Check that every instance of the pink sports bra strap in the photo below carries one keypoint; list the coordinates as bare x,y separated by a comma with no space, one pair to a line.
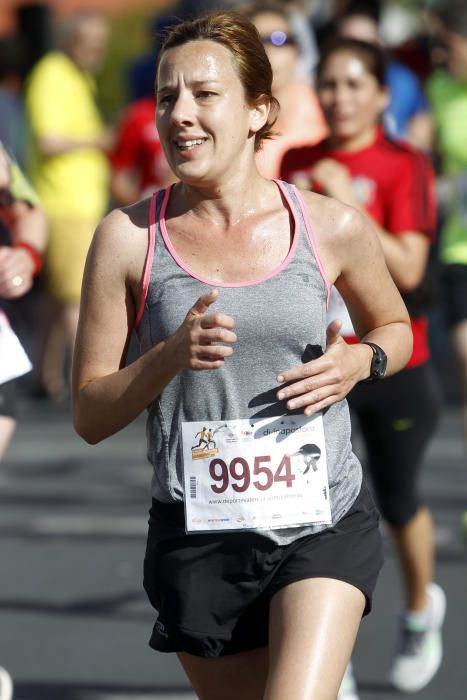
312,239
149,258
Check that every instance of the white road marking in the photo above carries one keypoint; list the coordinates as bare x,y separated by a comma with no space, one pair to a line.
88,525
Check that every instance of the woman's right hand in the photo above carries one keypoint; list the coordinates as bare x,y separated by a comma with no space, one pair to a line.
203,340
334,179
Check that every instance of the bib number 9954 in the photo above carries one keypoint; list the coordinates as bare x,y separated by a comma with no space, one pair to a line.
239,472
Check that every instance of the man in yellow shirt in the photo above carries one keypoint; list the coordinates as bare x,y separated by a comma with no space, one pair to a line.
69,171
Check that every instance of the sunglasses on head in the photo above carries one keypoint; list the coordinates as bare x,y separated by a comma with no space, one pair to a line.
278,39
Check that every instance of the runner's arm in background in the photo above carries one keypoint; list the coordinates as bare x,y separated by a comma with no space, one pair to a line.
50,145
26,224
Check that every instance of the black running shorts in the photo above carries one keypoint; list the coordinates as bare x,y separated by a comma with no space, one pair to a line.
212,591
397,418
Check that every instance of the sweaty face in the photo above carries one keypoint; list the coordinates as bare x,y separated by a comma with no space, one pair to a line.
204,122
350,96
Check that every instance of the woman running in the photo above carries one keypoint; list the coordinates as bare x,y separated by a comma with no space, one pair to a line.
393,183
254,563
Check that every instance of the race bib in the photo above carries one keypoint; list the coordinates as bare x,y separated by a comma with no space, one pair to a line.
13,360
255,474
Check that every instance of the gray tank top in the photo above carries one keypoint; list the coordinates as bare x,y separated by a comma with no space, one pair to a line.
280,321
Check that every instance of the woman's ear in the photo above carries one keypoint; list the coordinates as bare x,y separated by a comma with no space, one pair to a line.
259,115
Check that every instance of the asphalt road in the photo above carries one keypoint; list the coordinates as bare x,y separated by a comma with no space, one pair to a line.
74,619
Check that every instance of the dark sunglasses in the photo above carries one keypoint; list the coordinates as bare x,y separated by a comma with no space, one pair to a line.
278,39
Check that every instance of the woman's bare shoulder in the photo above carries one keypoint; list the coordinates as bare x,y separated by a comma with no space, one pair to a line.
120,243
341,231
126,222
122,236
333,221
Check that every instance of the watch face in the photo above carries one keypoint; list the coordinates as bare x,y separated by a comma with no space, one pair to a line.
379,364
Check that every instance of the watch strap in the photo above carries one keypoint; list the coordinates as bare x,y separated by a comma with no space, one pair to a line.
378,363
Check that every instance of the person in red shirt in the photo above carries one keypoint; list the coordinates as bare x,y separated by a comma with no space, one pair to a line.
394,184
138,162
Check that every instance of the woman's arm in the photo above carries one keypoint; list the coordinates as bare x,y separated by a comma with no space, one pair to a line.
406,256
375,305
17,266
27,230
106,395
51,145
28,224
354,262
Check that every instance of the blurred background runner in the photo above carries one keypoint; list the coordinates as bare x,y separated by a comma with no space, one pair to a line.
69,171
22,242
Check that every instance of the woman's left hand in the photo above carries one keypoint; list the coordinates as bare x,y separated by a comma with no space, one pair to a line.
334,179
328,379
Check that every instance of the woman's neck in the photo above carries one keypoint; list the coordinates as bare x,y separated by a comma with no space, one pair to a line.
354,143
224,205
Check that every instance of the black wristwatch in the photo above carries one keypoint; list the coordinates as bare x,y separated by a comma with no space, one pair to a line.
378,363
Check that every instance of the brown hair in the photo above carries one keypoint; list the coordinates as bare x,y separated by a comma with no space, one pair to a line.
371,55
239,36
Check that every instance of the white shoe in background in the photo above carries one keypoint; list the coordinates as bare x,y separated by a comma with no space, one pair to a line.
6,685
420,650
